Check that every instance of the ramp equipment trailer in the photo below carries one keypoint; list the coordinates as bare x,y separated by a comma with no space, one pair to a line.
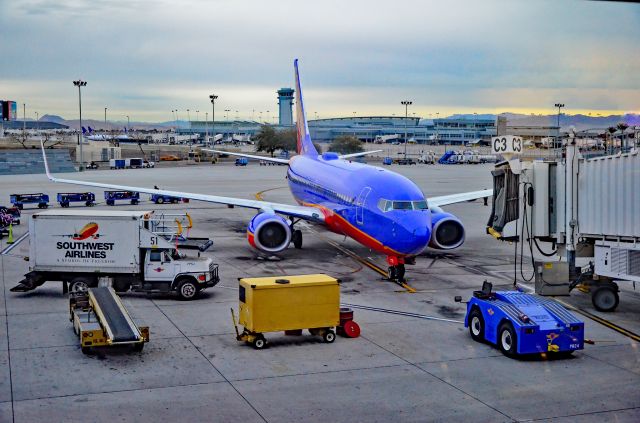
291,304
113,196
520,323
136,249
65,198
100,319
19,200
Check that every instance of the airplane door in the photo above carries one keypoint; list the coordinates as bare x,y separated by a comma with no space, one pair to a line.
360,202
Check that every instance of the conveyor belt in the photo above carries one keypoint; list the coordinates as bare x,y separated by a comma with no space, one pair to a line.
117,322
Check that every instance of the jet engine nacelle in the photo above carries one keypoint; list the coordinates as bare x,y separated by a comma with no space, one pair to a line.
268,232
447,231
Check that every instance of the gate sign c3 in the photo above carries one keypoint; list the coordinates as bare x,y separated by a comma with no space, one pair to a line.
506,144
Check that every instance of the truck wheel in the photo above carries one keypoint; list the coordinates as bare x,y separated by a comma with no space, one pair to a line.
160,200
80,284
329,336
507,340
605,298
476,325
187,289
259,343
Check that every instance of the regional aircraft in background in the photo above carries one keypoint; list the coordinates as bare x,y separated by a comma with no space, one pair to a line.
378,208
90,135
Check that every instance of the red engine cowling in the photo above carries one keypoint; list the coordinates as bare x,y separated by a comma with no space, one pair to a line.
270,233
447,231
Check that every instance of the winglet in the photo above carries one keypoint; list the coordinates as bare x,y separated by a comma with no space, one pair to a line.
46,165
305,146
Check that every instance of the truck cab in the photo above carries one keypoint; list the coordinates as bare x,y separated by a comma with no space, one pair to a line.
168,270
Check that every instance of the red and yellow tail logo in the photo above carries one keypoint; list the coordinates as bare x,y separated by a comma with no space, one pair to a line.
89,230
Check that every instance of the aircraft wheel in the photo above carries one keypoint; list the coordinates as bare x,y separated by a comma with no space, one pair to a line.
476,325
296,238
391,273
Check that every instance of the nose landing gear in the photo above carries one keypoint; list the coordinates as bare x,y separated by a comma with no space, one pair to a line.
396,269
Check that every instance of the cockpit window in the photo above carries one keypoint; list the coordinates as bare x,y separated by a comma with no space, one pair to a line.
402,205
388,205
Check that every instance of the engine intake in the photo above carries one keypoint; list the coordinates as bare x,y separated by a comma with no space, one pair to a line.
447,231
269,233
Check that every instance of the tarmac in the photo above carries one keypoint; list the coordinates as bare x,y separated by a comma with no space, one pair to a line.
399,369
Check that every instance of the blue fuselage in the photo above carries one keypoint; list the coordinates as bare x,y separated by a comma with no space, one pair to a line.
358,201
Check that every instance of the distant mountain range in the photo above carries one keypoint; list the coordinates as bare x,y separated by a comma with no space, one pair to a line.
580,122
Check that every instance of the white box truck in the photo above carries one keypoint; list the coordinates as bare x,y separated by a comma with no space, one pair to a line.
132,248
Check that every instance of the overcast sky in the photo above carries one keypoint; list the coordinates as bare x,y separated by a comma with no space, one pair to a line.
144,58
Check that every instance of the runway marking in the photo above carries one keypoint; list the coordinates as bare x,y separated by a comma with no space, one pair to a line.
260,196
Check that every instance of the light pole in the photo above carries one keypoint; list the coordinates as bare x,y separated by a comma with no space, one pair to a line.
206,127
24,121
559,106
226,114
80,83
188,116
213,98
105,118
197,115
128,124
37,122
406,104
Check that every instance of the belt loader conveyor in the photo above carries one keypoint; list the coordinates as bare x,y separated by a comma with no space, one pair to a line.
100,319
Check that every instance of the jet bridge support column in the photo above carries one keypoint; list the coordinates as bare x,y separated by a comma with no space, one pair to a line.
571,185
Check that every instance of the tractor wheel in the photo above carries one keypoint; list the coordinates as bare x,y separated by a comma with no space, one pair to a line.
507,340
160,200
476,325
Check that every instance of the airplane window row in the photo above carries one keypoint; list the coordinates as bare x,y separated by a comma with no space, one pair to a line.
332,195
388,205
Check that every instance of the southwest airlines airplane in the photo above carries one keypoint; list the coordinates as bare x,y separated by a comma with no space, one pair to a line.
378,208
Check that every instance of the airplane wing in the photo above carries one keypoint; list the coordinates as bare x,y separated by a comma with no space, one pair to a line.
304,212
265,158
363,153
444,200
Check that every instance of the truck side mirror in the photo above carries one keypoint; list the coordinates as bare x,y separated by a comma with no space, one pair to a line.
457,299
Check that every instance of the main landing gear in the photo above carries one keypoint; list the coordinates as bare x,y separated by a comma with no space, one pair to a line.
296,236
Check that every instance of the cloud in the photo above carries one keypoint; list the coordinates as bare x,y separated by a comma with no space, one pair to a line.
149,56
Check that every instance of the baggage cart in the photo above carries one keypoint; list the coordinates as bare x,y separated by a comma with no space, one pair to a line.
19,200
65,198
112,196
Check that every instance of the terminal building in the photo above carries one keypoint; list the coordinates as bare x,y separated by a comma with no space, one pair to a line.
446,131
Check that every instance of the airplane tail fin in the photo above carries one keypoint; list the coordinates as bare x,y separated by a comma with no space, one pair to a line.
84,130
305,146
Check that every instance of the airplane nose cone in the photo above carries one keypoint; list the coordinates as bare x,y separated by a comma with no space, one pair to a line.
414,238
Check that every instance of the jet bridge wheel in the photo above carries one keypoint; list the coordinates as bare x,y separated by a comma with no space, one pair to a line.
605,298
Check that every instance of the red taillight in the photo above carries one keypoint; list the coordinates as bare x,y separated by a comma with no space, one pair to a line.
202,278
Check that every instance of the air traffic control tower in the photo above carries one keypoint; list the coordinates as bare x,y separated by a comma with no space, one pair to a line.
285,106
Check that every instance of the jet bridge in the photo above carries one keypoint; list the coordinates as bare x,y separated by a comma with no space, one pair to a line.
579,216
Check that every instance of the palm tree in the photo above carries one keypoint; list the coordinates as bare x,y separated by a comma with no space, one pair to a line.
622,126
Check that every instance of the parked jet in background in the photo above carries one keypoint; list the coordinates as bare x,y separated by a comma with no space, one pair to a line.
378,208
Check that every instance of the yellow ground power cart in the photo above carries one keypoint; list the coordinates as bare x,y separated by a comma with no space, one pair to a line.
100,319
289,304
